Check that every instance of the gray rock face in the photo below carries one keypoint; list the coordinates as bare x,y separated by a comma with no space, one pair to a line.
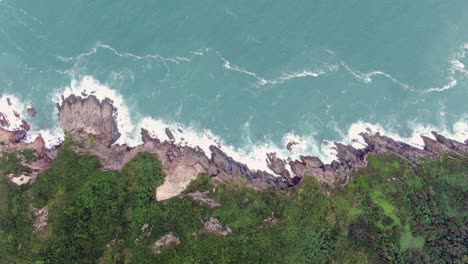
350,158
169,134
168,241
236,170
214,226
202,198
278,166
19,136
90,115
377,143
4,120
452,144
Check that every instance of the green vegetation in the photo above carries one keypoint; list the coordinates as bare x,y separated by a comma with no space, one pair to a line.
28,154
392,212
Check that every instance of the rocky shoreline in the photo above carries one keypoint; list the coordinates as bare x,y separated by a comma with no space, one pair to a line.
91,124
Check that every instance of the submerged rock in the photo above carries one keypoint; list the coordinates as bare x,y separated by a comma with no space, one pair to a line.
31,111
169,134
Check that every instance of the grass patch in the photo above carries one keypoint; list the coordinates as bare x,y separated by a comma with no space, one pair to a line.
28,154
408,241
388,209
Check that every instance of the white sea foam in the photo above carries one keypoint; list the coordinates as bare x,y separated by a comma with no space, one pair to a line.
459,132
17,106
253,154
230,66
302,145
367,77
284,77
456,68
52,137
104,46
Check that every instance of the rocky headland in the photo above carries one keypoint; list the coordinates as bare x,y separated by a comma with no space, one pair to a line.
91,124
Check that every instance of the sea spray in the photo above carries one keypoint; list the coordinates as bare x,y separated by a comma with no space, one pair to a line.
252,154
14,110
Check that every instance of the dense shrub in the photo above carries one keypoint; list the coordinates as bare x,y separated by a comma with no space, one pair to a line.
392,212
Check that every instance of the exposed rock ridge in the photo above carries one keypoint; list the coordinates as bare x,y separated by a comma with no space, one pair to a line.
350,158
91,115
182,164
39,157
91,123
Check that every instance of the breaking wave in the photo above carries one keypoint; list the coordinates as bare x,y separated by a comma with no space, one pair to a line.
252,154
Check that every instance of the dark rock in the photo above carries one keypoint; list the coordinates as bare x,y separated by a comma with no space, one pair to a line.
25,125
169,134
296,180
278,166
4,120
146,137
290,145
452,144
348,154
19,136
237,170
32,111
377,143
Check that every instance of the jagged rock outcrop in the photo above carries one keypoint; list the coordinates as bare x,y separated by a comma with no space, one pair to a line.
350,158
90,115
168,241
377,143
182,164
278,166
12,141
236,170
202,198
32,111
4,120
213,226
450,145
40,218
92,124
169,134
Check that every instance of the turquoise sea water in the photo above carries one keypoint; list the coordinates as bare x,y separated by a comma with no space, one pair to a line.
251,72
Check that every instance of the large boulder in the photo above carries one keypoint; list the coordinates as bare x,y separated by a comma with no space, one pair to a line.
90,115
